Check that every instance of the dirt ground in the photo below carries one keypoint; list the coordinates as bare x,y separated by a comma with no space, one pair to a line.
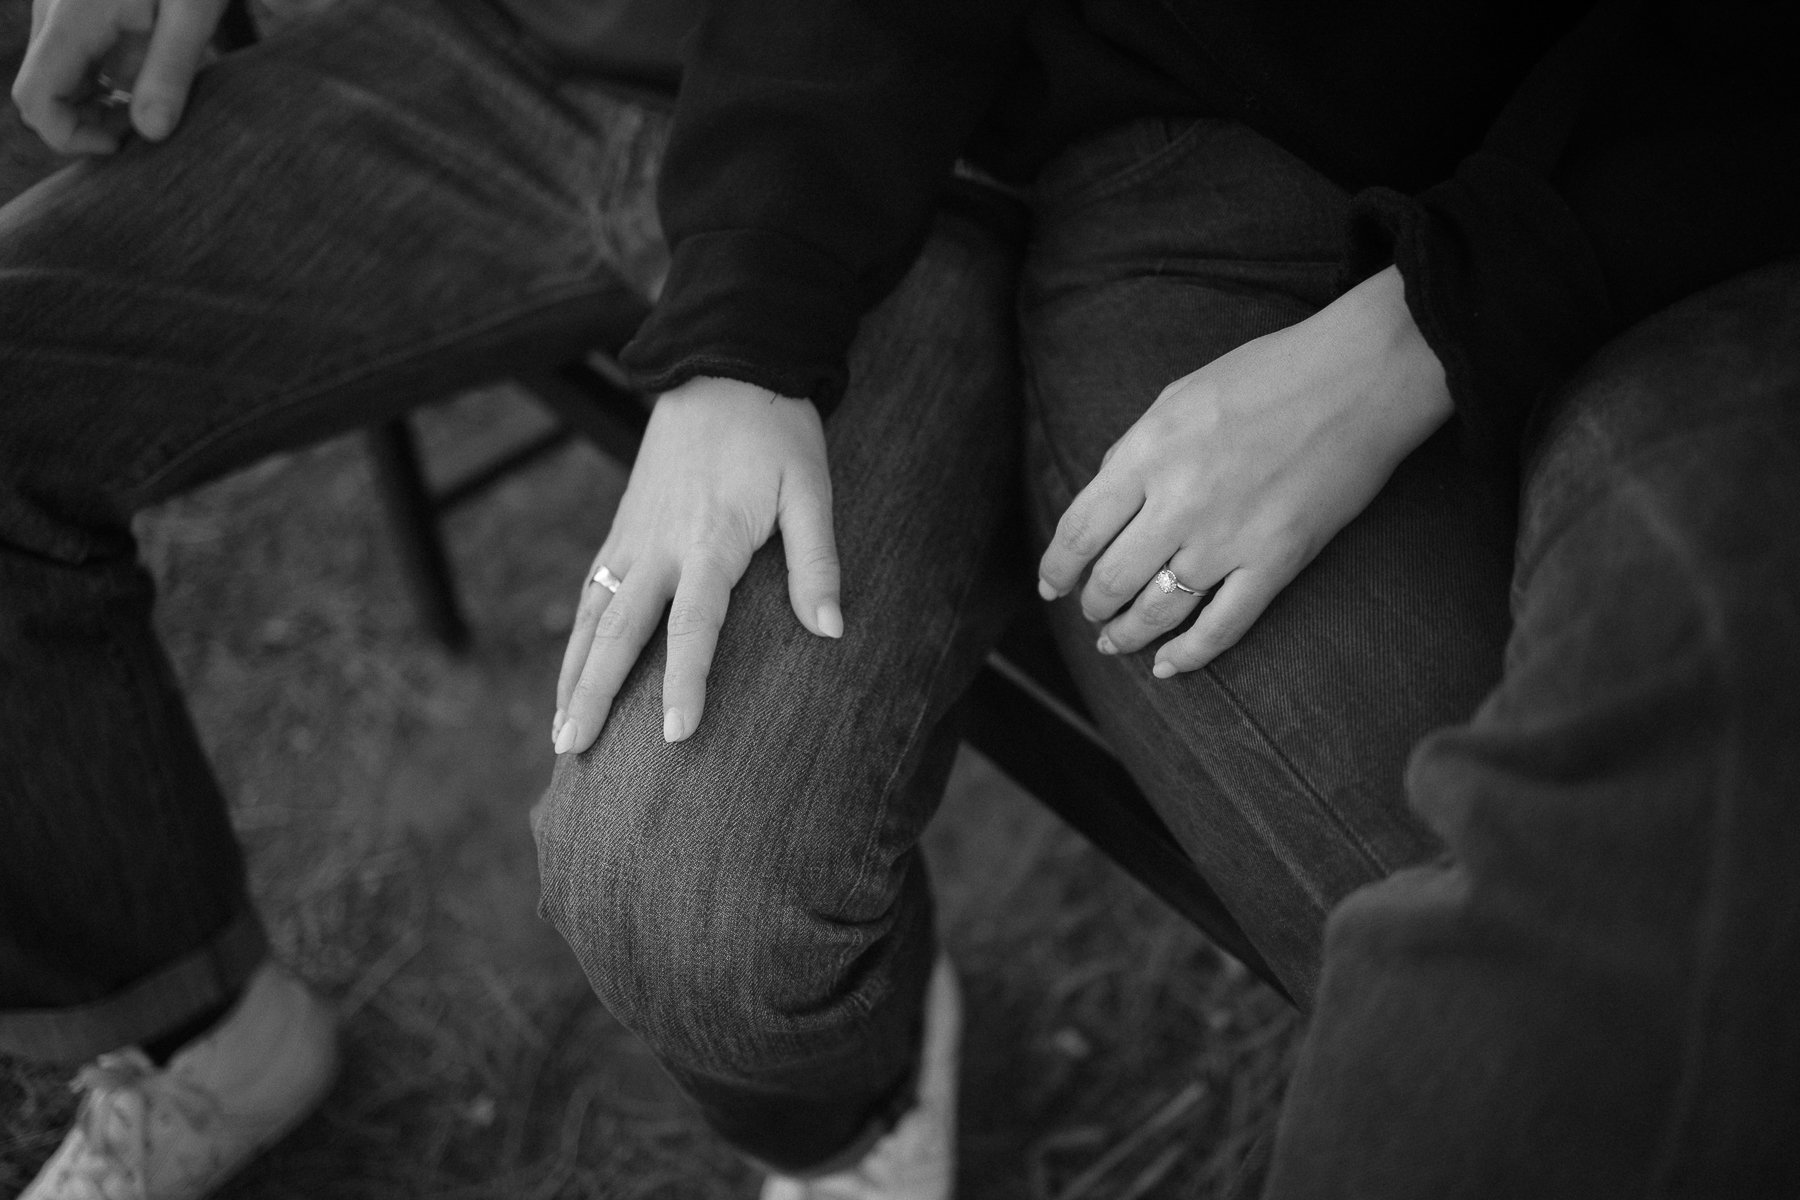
381,784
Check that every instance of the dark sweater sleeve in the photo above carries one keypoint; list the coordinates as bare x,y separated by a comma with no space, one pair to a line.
1650,154
810,142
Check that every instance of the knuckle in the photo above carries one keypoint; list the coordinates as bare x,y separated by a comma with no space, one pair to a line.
1159,610
689,618
1111,581
590,692
817,557
710,560
1075,531
614,623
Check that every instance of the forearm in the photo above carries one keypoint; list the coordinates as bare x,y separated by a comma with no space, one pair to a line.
808,149
1643,160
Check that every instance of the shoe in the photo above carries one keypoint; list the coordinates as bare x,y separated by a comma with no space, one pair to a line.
178,1132
916,1160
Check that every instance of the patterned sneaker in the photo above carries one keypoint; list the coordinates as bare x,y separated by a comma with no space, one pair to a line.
917,1159
178,1132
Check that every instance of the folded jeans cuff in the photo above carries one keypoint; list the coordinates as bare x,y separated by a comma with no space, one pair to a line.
208,976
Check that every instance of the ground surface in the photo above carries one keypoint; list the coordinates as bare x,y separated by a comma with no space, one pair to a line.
381,786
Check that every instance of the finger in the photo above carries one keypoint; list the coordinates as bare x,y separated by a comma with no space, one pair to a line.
1091,521
624,627
694,621
57,71
590,604
1241,598
811,550
1154,612
177,47
1120,573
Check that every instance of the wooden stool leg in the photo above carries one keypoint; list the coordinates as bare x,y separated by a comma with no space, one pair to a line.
413,517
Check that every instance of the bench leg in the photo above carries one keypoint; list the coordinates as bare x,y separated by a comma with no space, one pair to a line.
413,518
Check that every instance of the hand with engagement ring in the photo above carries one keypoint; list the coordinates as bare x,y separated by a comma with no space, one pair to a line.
723,465
1241,472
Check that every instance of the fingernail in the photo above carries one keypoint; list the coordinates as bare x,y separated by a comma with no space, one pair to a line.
556,723
1163,670
1105,645
565,738
155,121
673,725
1045,590
831,621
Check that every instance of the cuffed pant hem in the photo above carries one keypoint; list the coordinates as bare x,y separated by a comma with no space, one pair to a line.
203,979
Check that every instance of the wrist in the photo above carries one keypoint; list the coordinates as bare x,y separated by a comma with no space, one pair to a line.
1412,376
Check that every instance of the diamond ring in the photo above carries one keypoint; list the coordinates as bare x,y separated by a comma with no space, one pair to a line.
1168,581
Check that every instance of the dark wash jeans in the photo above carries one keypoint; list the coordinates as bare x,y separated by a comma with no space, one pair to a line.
1507,815
353,211
1504,801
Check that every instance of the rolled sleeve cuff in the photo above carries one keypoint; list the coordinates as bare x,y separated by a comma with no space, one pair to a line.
1503,284
753,306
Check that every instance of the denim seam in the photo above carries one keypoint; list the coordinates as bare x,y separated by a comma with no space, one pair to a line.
380,360
912,739
1311,790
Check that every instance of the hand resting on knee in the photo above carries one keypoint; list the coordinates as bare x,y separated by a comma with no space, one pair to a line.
722,465
1240,472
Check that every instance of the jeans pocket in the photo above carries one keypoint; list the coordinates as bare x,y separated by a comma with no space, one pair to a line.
1096,167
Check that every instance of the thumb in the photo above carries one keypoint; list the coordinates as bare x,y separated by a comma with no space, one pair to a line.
811,549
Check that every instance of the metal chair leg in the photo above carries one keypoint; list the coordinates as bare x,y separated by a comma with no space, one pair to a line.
412,515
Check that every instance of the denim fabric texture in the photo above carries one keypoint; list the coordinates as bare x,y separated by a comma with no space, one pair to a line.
327,233
1159,247
1501,784
1591,992
751,901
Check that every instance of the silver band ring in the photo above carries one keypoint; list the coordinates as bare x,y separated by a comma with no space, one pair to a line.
608,580
109,94
1168,581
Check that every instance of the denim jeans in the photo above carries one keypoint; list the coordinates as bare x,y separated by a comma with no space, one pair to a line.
1509,809
1472,785
1504,808
385,203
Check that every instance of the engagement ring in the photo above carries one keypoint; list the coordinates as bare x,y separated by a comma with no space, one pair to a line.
1168,581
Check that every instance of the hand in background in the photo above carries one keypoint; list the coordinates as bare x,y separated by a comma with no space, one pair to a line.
1240,473
722,465
150,48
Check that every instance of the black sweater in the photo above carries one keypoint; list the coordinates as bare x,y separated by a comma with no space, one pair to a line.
1541,177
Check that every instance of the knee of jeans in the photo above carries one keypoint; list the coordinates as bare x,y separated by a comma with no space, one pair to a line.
721,933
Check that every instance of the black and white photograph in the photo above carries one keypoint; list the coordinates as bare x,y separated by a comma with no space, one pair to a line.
899,600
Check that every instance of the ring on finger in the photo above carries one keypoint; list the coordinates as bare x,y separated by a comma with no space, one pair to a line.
109,94
607,580
1168,581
